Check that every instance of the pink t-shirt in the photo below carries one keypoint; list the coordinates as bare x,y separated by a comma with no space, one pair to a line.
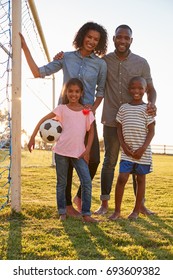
74,127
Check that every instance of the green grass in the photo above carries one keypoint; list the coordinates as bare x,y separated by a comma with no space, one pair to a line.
36,232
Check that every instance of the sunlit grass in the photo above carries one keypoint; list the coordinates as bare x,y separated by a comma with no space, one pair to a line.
36,232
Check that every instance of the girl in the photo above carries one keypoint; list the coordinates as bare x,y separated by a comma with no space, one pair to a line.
76,121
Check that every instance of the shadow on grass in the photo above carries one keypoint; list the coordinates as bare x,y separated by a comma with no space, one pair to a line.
148,238
92,243
17,222
14,242
153,234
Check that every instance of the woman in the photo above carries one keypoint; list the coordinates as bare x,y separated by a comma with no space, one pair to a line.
84,63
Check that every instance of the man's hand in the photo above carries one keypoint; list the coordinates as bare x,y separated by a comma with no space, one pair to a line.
59,56
151,109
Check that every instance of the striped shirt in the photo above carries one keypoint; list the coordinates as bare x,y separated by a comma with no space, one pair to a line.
135,120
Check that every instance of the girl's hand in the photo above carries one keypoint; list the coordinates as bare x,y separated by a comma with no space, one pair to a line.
85,156
31,144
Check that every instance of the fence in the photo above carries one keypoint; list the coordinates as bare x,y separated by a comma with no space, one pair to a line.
162,149
156,149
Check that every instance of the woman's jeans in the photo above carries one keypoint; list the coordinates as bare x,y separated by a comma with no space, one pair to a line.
81,167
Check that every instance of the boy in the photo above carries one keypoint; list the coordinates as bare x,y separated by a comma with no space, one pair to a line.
135,132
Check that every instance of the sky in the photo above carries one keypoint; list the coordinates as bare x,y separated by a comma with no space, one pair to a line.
151,22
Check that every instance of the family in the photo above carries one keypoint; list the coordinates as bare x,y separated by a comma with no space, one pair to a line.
120,79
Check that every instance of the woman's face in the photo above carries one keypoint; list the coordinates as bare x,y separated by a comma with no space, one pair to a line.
91,41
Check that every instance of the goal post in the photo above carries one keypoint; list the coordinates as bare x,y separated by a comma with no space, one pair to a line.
16,108
16,96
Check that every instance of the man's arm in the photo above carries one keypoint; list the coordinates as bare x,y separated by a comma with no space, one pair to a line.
151,95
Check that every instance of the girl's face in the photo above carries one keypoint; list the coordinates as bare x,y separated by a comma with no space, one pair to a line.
74,93
90,41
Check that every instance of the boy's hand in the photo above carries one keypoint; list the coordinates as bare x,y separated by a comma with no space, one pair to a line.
127,150
138,153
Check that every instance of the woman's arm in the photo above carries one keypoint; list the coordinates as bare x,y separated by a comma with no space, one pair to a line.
33,66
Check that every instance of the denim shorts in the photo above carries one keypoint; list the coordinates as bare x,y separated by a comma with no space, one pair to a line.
134,168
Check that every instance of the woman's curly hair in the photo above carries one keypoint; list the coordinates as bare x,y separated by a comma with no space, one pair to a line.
101,48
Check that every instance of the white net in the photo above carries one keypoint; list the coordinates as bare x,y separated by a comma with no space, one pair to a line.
35,98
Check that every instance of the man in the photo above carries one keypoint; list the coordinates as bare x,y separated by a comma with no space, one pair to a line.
122,65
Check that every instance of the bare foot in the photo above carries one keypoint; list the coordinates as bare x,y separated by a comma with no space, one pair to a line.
72,212
62,217
101,211
89,219
77,201
133,216
115,216
146,211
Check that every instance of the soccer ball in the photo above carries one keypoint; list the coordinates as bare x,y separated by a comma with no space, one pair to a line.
50,130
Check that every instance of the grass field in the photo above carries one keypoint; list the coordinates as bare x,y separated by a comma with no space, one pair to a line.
36,232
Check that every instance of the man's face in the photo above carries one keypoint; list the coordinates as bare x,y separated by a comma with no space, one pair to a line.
122,40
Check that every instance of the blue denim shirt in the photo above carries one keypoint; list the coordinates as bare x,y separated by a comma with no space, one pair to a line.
91,70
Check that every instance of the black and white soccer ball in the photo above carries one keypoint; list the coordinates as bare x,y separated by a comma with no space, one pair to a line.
50,130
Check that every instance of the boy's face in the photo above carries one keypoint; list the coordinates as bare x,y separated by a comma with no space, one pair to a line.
137,89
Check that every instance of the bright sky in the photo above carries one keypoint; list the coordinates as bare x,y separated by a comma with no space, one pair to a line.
151,22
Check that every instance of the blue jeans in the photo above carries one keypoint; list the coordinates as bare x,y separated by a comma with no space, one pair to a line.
93,165
62,165
112,147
